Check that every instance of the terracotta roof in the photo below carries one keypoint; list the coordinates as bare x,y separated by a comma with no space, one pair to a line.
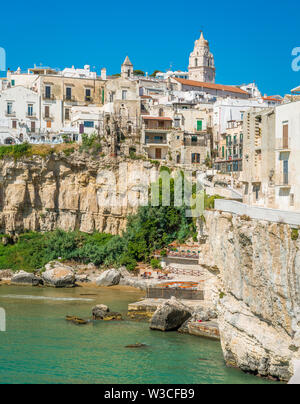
271,99
213,86
157,118
295,90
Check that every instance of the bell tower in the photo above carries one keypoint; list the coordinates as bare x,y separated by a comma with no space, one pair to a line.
202,64
127,69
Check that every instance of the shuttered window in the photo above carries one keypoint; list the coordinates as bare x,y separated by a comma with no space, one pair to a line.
285,136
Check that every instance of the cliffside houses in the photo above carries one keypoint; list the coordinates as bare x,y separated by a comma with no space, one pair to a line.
182,118
271,174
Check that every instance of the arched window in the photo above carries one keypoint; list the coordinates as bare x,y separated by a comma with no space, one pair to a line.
161,112
196,62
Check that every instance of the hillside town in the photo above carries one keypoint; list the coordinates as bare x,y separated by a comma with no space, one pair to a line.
231,272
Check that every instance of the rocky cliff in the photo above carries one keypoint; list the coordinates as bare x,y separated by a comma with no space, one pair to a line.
253,274
57,191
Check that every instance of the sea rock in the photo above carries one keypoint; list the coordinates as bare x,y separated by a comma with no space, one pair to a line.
138,345
25,278
82,278
76,320
6,274
170,315
110,277
100,311
59,277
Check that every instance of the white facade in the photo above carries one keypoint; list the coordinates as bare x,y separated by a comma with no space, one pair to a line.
287,157
87,120
232,110
168,74
84,73
19,115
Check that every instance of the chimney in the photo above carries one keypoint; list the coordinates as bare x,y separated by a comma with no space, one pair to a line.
103,73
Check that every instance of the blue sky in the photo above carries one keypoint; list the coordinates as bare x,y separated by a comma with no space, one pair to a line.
251,41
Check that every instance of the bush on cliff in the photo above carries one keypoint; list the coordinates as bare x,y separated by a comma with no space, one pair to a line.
15,151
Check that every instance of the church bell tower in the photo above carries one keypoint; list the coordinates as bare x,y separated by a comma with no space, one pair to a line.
202,64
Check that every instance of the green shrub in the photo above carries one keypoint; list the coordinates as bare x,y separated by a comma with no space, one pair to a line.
294,234
155,263
15,151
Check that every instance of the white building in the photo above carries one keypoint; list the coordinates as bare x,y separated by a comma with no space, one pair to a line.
179,74
229,109
19,115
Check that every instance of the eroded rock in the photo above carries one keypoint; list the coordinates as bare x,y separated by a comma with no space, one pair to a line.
111,277
59,277
170,316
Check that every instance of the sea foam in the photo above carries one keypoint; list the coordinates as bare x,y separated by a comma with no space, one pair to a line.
62,299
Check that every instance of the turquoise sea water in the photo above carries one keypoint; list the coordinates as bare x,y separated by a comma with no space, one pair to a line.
39,346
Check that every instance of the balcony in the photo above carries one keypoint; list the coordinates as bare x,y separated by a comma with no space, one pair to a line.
68,98
153,141
10,114
283,145
31,116
48,117
49,97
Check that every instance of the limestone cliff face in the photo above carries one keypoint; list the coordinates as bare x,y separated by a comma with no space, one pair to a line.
253,277
57,191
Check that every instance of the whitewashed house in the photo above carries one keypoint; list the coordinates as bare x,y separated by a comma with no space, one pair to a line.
19,115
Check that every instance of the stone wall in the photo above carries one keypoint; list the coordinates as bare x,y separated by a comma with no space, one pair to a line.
57,191
252,276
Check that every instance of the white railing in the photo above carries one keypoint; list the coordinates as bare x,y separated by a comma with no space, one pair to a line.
257,212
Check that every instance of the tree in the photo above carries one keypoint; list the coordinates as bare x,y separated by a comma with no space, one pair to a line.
139,73
154,73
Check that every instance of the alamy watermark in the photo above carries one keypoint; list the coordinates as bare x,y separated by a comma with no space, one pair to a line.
2,320
2,60
133,187
296,60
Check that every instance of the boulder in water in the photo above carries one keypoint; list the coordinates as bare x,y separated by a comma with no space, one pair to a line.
110,277
170,316
59,277
100,311
25,278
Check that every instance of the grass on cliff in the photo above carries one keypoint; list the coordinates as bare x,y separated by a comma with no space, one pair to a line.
27,150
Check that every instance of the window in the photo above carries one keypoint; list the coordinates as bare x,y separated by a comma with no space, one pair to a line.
285,172
47,92
48,124
47,111
199,125
67,114
32,127
292,200
88,94
223,151
88,124
195,158
161,112
177,123
30,110
14,124
9,108
68,93
285,135
124,95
